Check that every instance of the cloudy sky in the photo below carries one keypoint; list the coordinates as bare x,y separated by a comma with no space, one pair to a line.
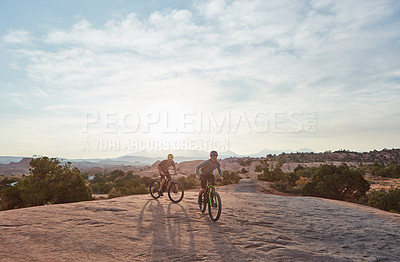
102,78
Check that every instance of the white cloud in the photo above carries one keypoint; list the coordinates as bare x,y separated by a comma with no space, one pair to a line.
17,37
327,56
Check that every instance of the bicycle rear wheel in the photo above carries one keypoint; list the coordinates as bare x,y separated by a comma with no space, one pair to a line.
154,187
215,207
175,192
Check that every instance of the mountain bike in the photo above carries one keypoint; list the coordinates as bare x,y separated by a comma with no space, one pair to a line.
175,189
213,200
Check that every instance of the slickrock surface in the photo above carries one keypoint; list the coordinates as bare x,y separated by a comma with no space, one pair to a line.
254,226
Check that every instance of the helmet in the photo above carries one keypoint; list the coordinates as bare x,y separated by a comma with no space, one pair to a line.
170,156
213,153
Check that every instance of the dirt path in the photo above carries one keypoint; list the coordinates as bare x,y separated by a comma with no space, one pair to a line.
254,226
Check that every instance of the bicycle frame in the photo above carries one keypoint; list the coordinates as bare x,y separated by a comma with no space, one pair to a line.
167,183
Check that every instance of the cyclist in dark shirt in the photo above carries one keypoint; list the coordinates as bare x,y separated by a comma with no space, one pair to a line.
163,170
207,168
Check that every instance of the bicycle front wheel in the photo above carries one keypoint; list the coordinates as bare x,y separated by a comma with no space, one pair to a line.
154,187
214,206
175,192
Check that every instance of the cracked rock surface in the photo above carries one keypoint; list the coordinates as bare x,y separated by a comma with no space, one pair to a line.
254,226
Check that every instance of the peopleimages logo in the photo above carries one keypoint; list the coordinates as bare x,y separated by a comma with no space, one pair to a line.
202,122
119,131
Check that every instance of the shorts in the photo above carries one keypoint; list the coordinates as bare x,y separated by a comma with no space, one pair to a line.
167,174
207,178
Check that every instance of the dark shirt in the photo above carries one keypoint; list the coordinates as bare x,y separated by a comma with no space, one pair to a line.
208,166
164,165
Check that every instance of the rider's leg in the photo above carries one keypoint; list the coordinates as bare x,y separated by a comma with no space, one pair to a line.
211,182
202,189
162,184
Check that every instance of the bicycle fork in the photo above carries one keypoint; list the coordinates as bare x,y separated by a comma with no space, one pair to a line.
211,196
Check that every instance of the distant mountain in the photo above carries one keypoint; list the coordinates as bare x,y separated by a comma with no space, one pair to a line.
9,159
179,155
16,168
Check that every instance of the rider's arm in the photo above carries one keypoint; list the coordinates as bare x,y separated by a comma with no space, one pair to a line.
199,166
174,168
219,170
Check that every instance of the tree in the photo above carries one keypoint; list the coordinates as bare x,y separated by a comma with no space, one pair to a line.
49,182
337,182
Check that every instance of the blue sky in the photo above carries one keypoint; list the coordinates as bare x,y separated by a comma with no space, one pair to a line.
81,79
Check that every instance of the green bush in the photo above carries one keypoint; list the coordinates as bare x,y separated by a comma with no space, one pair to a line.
337,182
389,201
118,183
287,183
269,173
230,177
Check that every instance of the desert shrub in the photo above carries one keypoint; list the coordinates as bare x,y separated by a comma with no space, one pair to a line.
101,184
299,168
337,182
391,170
244,171
116,173
269,172
7,181
188,182
131,187
389,201
305,171
145,180
287,182
11,198
136,190
117,183
126,183
300,184
100,187
230,177
49,182
246,161
12,195
114,193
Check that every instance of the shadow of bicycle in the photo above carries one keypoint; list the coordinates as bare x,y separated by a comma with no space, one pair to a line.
168,230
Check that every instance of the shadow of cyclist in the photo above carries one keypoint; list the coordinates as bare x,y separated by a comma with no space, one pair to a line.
169,232
221,243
